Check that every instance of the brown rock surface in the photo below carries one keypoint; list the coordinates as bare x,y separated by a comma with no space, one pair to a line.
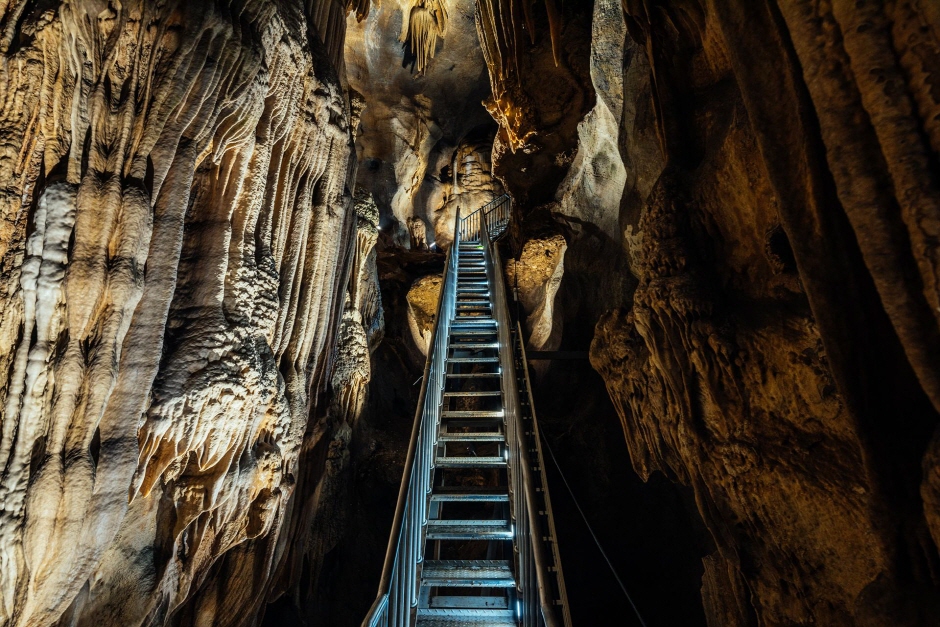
755,362
768,173
535,277
423,298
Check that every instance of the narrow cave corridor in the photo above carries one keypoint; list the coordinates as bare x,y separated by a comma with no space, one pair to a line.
479,313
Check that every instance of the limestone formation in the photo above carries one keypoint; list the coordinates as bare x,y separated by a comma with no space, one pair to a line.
422,309
470,186
419,233
176,224
414,122
220,235
534,279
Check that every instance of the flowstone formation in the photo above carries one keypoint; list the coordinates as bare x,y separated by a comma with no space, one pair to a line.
176,237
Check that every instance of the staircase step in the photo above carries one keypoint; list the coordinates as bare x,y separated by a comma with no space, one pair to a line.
475,345
471,497
473,322
489,393
497,413
473,360
469,530
470,462
467,602
488,436
467,573
466,616
473,375
456,621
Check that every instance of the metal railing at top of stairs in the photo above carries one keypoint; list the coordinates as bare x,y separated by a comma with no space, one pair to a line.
397,600
494,216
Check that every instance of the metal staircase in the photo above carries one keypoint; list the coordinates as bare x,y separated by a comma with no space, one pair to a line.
473,542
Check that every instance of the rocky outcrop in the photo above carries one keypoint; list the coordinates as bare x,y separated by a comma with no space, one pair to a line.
469,185
537,57
175,234
423,298
765,347
535,278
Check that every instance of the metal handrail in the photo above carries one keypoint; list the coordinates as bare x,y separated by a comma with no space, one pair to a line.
492,218
398,585
532,568
536,440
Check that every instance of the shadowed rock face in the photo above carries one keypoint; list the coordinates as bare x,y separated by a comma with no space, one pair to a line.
774,194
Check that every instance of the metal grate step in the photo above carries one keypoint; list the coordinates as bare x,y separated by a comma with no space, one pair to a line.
468,573
472,375
456,621
489,393
467,616
475,345
477,413
469,530
467,602
470,497
489,436
473,360
470,462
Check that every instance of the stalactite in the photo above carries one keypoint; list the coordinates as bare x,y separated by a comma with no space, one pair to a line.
424,23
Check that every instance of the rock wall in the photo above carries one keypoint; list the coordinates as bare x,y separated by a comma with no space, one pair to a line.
771,236
175,243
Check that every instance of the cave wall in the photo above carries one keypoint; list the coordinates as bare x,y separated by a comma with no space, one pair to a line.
771,334
418,113
176,241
